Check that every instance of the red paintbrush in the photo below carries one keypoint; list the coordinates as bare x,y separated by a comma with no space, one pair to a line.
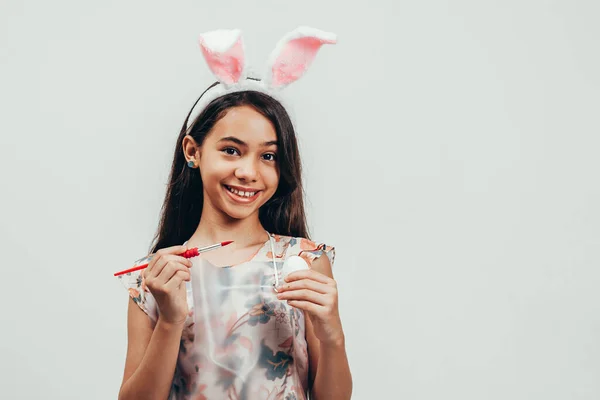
193,252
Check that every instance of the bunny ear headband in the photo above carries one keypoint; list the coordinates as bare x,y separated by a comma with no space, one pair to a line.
223,51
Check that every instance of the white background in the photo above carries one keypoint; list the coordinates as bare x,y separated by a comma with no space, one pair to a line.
451,156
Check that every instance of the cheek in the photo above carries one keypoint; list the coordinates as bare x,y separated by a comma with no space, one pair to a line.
272,178
213,171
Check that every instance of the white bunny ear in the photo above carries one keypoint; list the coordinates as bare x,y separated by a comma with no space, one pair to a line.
293,55
223,51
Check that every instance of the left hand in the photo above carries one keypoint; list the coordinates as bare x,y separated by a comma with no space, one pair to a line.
316,294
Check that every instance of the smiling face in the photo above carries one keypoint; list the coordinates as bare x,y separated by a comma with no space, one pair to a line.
238,163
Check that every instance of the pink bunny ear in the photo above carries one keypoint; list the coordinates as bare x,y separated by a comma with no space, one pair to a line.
293,55
223,51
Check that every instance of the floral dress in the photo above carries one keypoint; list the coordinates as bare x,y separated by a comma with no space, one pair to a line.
264,354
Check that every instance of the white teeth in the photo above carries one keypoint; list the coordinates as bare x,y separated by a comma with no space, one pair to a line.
240,193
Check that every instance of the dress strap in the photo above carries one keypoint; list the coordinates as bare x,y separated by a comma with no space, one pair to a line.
275,272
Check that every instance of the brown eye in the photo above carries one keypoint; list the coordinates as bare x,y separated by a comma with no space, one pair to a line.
230,151
270,157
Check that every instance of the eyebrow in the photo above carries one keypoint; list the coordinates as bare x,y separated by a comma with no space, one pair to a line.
242,143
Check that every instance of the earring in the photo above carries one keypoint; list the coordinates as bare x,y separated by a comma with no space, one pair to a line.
191,164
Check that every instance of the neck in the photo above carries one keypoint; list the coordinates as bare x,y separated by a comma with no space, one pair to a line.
214,228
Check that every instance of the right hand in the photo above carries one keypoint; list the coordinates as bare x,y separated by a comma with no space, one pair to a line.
165,277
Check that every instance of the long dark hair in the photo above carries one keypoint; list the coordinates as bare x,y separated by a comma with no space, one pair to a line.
181,210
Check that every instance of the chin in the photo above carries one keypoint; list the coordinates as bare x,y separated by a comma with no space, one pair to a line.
238,214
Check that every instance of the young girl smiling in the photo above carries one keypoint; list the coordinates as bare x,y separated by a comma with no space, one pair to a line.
236,175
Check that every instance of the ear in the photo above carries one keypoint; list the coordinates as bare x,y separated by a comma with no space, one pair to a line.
189,147
293,55
223,51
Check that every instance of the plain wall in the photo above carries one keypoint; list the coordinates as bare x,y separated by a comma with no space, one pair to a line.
450,153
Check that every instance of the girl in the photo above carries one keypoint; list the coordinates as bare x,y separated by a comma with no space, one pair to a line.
236,175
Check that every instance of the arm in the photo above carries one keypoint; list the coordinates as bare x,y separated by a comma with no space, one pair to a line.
329,369
315,292
151,356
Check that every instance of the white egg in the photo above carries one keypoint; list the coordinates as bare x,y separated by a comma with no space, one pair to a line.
292,264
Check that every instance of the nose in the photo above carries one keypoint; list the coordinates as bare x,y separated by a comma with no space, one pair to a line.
246,170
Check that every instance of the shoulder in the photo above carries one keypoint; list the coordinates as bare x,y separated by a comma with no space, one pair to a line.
308,249
135,285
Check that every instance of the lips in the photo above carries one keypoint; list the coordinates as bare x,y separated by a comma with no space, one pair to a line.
240,196
247,192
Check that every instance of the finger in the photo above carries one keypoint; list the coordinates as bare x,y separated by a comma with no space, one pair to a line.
305,306
162,257
164,260
177,280
172,250
308,274
170,270
162,252
304,295
155,269
306,284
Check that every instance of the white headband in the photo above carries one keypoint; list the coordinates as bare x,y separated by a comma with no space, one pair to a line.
224,53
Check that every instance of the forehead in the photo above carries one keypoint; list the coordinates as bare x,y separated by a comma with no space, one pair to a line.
244,123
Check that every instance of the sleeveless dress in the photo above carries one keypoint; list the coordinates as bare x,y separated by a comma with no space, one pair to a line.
260,331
